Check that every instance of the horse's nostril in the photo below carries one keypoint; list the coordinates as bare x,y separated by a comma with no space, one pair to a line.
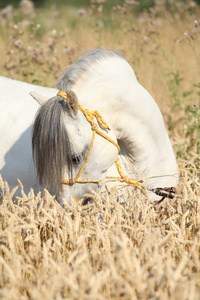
86,200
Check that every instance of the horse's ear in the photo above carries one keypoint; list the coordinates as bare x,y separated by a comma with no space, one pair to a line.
39,98
72,102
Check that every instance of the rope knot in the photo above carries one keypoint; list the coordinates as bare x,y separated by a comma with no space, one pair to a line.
71,181
126,179
132,182
94,127
100,120
90,114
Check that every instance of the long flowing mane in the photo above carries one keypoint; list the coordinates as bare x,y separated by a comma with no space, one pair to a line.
51,145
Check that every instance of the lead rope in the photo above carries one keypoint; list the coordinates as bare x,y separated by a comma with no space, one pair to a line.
90,114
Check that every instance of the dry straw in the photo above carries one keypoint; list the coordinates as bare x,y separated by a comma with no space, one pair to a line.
102,250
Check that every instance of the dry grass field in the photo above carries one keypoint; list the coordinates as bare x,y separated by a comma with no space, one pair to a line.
108,250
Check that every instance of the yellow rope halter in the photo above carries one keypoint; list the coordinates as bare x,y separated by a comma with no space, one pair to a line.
90,114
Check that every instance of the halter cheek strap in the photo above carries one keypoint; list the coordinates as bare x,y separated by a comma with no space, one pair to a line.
90,115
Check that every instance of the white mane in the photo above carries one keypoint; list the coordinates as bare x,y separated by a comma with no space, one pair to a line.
82,65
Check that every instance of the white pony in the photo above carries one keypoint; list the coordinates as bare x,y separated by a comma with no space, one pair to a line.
103,81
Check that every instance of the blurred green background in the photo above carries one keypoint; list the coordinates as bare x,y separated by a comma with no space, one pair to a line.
143,4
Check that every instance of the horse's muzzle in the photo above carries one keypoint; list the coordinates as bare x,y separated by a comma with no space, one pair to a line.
86,200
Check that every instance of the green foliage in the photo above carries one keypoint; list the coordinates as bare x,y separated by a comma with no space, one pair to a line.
174,81
144,4
194,116
191,132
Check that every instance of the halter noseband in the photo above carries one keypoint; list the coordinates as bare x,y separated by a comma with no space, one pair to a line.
90,114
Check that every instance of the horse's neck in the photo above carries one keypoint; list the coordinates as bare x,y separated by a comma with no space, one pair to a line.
144,157
145,146
137,122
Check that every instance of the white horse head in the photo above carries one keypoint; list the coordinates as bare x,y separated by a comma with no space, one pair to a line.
61,141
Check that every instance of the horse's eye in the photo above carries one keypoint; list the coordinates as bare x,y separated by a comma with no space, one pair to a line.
76,159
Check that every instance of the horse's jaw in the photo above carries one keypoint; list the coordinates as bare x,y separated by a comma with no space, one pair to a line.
103,155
